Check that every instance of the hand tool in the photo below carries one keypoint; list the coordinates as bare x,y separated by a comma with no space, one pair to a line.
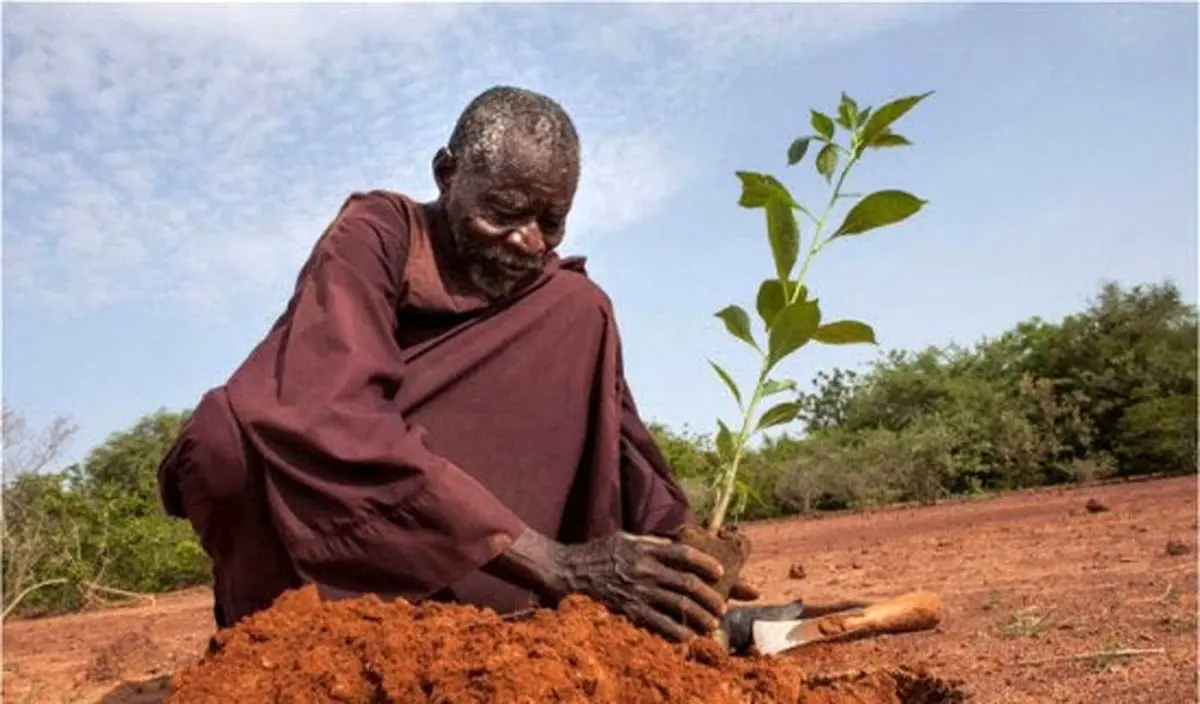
916,611
736,631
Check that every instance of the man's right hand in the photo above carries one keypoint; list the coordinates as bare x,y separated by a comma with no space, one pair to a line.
660,585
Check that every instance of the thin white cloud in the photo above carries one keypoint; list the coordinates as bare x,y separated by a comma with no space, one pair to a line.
624,178
710,35
195,152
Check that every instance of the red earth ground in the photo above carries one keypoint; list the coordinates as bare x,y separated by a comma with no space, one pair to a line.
1040,595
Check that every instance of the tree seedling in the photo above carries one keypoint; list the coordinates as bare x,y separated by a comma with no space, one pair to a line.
790,314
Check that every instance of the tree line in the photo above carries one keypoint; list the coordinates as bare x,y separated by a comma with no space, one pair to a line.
1107,392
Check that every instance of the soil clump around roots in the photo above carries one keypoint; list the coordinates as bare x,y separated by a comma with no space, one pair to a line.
304,649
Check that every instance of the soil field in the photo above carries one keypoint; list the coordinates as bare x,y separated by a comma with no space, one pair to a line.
1041,597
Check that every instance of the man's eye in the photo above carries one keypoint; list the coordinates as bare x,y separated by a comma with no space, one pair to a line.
505,215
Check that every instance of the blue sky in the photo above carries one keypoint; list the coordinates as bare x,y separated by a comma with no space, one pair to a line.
166,171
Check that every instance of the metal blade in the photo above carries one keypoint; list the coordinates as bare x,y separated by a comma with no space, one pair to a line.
773,637
736,624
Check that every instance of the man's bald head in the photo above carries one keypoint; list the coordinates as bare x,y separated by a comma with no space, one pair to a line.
507,179
505,118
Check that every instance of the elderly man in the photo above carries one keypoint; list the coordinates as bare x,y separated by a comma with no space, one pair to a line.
441,411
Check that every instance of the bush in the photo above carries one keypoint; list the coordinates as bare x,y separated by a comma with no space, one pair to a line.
1032,407
98,526
1158,435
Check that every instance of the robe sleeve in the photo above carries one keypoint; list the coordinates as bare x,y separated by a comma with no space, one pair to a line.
360,501
654,503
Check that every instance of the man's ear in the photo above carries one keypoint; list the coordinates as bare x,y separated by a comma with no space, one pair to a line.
444,166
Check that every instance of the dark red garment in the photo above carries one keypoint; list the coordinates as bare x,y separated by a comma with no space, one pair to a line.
392,435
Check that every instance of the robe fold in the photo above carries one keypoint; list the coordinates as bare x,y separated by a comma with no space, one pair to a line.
392,435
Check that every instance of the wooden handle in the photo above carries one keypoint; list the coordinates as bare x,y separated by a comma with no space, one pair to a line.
917,611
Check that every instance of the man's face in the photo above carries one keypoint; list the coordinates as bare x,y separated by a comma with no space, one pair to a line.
505,221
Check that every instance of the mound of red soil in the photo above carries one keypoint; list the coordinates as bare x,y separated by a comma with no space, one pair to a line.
304,649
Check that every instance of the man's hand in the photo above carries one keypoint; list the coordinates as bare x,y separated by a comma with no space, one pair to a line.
657,583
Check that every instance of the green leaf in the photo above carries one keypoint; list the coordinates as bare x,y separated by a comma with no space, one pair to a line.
773,387
779,414
724,441
847,112
823,124
737,322
792,329
733,389
771,299
888,139
760,189
888,114
748,489
845,332
878,210
827,161
798,149
864,115
784,233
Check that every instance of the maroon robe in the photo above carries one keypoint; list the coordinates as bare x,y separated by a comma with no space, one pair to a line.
392,435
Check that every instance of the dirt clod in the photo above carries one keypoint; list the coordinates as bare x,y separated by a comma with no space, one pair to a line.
368,650
1094,506
1175,548
796,571
730,547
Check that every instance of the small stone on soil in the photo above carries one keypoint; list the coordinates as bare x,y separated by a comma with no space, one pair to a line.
796,571
1094,506
1175,548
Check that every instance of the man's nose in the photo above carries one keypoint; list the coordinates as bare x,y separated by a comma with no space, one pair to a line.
527,239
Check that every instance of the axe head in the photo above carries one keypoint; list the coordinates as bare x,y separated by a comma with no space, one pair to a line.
916,611
736,631
774,637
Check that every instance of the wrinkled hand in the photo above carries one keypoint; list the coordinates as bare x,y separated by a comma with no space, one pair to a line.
659,584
